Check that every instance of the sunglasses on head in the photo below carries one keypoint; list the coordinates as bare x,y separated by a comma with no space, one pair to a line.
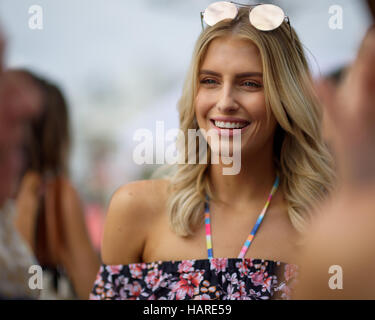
264,17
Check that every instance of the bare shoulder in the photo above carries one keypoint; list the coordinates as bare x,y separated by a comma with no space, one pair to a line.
132,211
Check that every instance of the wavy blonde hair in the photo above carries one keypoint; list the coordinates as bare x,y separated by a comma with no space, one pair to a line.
301,158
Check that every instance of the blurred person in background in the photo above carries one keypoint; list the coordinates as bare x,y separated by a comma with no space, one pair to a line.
49,212
334,78
342,234
20,100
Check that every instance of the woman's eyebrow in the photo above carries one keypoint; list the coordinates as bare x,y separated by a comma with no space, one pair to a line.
239,75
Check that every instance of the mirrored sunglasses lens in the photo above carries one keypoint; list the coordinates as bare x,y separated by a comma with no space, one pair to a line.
266,17
219,11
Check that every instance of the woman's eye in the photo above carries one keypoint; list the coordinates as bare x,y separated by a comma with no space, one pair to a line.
208,81
252,84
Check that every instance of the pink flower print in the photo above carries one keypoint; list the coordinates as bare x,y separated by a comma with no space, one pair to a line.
115,269
232,278
98,276
258,278
188,282
96,296
231,294
135,271
202,297
219,264
99,291
153,278
290,271
110,294
100,283
243,268
108,285
152,297
253,293
186,266
249,262
242,288
267,284
135,289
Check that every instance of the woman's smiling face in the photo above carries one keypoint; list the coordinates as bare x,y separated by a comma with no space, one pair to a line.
231,95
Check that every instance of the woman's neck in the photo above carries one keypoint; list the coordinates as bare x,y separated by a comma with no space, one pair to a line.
253,182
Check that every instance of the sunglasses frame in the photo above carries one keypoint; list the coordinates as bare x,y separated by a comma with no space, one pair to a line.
251,6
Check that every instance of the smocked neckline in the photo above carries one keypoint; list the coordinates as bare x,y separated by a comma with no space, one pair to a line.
202,261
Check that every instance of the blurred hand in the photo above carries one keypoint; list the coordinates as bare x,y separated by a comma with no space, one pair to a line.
343,232
27,206
68,239
350,117
66,229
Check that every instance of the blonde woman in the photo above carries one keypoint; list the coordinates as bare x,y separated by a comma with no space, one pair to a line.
181,237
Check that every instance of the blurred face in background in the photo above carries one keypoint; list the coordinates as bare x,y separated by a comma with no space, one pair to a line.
20,100
2,48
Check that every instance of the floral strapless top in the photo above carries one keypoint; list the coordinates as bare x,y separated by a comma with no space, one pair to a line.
206,279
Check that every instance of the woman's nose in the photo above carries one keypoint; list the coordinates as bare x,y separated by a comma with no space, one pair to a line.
227,102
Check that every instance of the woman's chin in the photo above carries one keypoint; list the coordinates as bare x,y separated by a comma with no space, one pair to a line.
230,151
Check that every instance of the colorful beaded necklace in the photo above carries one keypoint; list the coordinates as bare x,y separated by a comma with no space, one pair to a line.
252,233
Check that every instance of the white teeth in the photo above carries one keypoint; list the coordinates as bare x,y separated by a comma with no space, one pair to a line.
230,125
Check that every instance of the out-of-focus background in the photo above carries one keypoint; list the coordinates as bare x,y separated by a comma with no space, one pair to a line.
121,65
